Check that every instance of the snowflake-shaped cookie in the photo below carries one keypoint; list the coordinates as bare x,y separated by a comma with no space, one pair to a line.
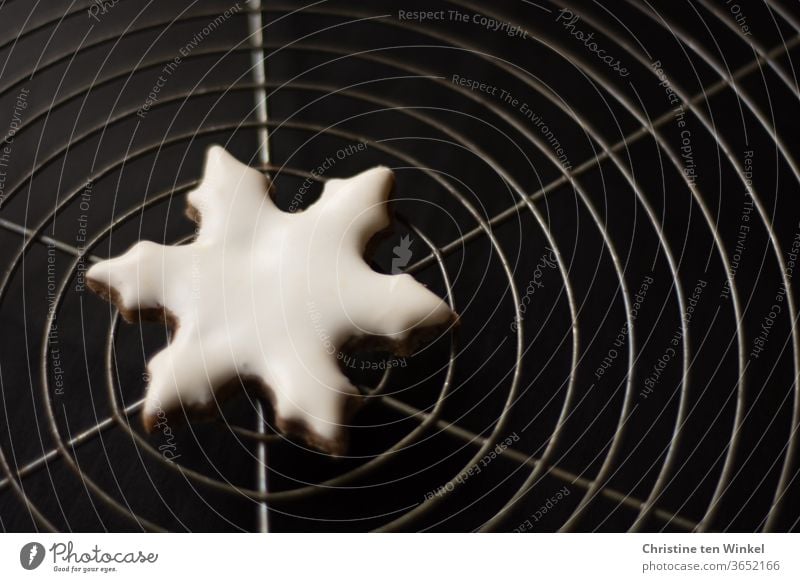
269,297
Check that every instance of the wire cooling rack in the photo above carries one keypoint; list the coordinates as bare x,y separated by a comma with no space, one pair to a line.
607,195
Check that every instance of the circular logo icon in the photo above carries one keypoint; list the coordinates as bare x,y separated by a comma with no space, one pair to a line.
31,555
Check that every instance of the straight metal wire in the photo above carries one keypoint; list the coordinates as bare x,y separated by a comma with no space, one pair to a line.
255,27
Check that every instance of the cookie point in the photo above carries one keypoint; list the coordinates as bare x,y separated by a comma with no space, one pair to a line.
335,449
98,278
215,150
381,178
93,272
217,156
384,172
148,420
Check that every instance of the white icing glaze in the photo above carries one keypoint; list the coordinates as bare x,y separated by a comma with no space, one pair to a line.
267,294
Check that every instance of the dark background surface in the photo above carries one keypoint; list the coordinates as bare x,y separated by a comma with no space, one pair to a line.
705,439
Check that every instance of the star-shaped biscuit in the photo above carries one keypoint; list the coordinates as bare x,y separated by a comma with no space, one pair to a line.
269,297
